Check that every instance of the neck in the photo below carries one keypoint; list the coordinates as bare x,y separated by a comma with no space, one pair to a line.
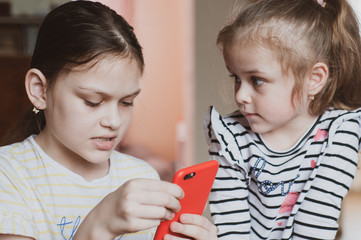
288,136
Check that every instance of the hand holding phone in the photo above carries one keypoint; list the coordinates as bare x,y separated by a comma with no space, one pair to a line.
196,182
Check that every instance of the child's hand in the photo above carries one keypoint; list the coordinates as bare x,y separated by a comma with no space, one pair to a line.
142,203
194,226
137,205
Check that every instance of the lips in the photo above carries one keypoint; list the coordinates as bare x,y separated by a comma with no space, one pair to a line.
103,139
249,115
104,143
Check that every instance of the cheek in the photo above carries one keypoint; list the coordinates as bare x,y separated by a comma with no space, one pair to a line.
282,96
74,116
79,124
277,104
127,118
126,121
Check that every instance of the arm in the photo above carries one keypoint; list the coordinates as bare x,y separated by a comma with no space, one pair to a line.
137,205
321,207
229,196
15,210
13,237
229,202
141,204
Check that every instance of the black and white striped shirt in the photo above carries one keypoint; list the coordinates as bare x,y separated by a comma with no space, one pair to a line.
296,194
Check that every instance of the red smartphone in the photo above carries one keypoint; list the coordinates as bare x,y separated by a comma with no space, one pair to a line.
196,182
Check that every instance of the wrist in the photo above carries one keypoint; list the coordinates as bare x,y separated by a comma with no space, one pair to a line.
92,229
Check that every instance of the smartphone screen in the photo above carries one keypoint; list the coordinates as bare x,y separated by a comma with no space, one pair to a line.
196,182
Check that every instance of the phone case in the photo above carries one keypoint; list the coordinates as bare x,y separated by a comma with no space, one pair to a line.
196,182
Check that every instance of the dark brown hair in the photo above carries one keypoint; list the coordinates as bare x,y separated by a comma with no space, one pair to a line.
303,33
77,33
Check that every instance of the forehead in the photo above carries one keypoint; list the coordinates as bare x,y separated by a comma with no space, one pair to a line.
241,57
268,52
112,75
276,34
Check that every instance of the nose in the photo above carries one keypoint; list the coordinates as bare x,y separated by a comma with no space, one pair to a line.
112,117
243,93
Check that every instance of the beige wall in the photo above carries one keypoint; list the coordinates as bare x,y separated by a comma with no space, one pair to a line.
212,86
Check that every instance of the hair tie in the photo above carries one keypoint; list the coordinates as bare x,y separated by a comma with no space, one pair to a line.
322,3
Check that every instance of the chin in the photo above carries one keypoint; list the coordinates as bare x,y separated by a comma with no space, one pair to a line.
258,130
98,158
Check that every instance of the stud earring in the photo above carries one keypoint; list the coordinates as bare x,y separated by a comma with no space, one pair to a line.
35,110
312,97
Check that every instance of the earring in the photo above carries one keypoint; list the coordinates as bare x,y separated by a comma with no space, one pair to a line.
35,110
312,97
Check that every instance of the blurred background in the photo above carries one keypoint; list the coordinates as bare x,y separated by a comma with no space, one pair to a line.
184,75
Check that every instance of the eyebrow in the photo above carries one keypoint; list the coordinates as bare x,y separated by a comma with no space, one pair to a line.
136,93
106,94
252,71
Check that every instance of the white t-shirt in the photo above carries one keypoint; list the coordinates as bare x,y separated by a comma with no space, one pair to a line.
42,199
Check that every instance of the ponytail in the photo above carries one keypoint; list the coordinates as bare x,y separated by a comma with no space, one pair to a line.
29,124
345,55
343,87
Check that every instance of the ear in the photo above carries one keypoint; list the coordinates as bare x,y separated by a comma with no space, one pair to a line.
36,85
317,79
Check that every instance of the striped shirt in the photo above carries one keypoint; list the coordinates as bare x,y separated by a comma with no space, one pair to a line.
42,199
295,194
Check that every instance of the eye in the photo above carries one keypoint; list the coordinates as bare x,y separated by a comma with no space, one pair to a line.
257,81
127,103
92,104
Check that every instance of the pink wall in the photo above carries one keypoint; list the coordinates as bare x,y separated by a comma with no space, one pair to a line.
122,7
164,29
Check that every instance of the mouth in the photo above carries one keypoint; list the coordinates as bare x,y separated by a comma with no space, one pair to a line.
103,138
104,143
249,115
246,113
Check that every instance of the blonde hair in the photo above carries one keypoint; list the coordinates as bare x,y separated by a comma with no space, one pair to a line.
303,33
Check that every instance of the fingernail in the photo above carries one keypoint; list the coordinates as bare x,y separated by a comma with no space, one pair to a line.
170,215
175,227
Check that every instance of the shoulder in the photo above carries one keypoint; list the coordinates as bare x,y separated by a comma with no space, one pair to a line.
233,123
15,161
333,119
332,114
227,135
18,196
17,153
132,166
343,127
235,116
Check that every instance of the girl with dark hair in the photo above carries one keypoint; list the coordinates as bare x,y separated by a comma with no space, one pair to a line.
65,180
